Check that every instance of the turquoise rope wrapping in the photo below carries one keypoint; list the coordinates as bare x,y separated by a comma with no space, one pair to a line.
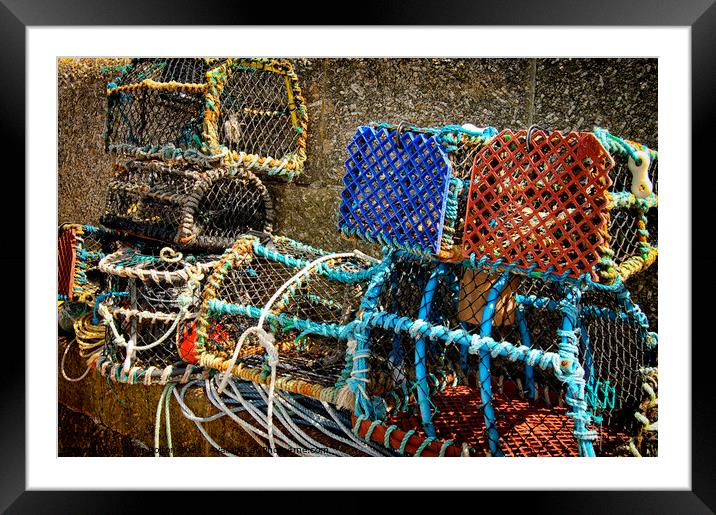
359,358
322,268
341,332
569,353
421,353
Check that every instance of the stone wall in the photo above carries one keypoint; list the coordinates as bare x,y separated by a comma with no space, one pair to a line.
618,94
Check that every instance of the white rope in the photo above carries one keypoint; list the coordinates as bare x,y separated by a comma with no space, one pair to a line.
62,366
169,255
281,440
294,430
184,300
362,255
266,339
163,403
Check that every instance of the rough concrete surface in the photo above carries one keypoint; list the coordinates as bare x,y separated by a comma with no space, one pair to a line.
618,94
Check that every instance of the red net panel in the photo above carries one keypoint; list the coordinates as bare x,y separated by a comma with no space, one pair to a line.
66,257
525,429
540,203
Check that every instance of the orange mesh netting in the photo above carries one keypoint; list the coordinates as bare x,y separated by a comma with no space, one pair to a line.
541,202
525,429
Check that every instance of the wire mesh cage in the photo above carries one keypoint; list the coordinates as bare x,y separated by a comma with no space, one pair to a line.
538,200
79,250
633,225
186,204
404,186
152,297
245,110
307,309
455,359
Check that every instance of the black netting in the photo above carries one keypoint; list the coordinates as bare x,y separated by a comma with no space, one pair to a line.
232,206
182,70
317,302
157,114
185,204
142,117
151,300
257,114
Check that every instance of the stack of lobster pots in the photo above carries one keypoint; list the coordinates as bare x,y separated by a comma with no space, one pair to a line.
189,139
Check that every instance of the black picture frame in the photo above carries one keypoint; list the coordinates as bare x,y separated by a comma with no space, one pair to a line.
700,15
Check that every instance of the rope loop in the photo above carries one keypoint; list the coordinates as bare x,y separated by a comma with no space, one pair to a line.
169,255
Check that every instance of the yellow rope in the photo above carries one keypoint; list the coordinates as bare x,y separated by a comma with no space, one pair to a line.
149,84
89,336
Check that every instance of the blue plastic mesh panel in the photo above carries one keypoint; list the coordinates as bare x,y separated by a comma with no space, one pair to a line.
395,196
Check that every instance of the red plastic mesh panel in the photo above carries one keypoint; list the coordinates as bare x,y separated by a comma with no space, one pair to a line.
66,257
541,203
525,429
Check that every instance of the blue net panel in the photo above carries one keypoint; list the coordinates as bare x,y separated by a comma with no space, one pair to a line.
396,190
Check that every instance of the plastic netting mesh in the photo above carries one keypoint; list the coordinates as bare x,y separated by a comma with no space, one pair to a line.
396,189
492,402
541,202
151,298
406,187
186,204
308,319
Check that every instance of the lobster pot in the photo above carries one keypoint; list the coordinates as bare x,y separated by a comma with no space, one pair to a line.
186,204
633,224
156,102
405,188
249,111
475,355
309,319
483,405
151,299
79,250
